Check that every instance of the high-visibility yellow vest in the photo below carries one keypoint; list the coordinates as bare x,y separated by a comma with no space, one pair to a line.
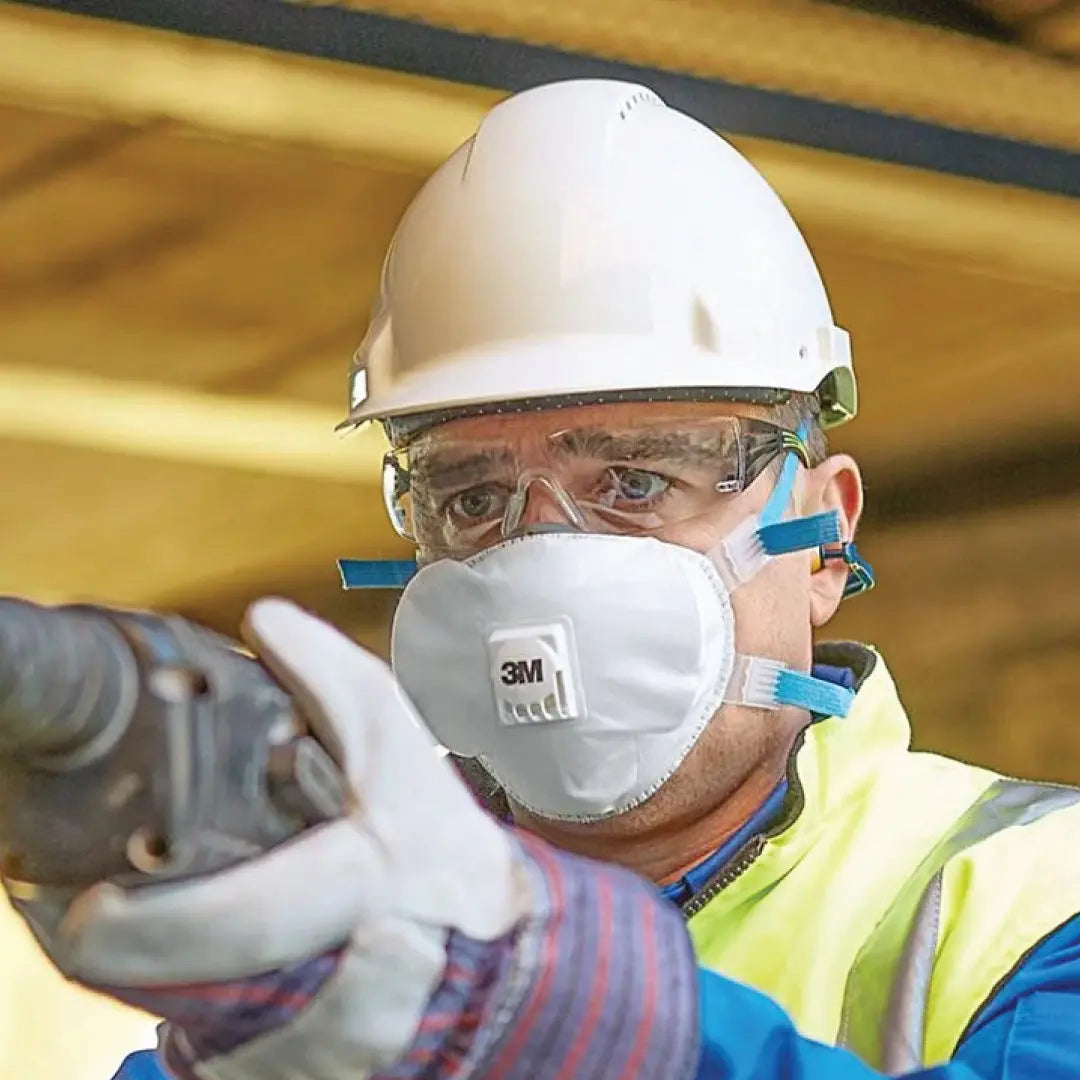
898,892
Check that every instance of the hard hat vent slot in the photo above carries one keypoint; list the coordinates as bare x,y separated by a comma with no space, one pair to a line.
640,97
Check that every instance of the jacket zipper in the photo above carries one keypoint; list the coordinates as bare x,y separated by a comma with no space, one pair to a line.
739,864
748,854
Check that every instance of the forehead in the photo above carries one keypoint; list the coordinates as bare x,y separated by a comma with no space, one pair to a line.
618,416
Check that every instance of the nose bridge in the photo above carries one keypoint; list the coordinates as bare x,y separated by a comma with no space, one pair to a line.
541,499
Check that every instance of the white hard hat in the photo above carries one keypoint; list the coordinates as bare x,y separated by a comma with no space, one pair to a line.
591,244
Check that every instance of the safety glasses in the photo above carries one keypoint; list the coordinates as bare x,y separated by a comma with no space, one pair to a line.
454,496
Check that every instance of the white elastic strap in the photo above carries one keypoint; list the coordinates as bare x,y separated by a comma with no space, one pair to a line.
740,555
753,682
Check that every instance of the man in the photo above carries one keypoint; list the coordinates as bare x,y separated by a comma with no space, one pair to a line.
604,357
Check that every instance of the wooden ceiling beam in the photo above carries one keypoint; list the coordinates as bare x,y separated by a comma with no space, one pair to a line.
269,436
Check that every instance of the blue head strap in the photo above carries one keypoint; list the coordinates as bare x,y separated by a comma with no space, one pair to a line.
376,573
779,537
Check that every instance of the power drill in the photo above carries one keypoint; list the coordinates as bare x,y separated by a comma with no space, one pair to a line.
138,748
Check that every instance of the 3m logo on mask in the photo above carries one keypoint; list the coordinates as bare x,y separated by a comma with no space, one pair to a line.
534,673
515,672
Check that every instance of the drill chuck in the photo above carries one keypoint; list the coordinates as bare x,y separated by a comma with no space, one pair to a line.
136,747
67,683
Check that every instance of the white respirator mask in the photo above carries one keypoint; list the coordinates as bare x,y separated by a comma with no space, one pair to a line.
581,668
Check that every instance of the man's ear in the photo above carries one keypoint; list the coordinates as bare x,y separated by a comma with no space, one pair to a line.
835,484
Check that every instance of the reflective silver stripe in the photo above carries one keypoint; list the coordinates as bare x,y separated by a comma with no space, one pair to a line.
885,1000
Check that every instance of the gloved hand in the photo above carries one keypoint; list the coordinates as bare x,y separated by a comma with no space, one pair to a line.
416,859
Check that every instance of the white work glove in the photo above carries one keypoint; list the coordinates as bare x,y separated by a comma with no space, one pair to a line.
416,859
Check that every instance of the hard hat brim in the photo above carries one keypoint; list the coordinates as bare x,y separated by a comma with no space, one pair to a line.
588,366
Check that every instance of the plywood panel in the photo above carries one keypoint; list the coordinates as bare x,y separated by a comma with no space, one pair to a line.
169,257
196,262
109,527
951,361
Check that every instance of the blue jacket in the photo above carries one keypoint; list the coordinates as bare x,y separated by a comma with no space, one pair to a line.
1030,1030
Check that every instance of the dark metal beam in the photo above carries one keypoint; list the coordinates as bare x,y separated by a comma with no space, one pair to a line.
1010,478
362,37
949,14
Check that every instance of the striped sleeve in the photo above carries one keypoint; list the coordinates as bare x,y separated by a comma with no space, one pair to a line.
607,982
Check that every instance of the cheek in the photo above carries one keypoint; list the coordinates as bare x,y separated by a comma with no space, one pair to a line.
772,613
700,534
703,533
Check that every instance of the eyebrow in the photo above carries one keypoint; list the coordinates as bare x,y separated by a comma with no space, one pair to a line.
676,448
439,471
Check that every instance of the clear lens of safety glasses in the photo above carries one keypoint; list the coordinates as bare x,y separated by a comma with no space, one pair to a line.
396,496
453,496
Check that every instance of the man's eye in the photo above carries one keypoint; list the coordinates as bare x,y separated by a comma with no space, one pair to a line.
638,485
476,504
